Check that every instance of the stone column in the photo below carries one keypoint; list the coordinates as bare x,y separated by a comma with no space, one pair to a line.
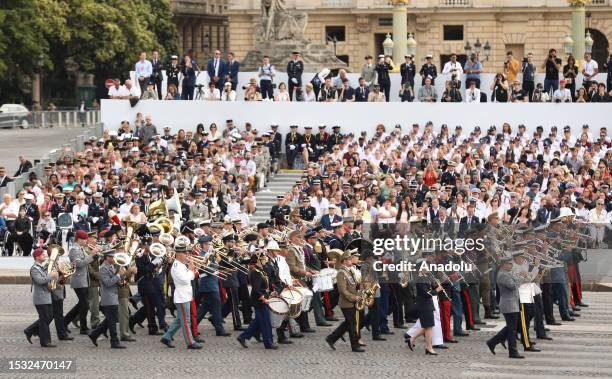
36,96
578,28
400,30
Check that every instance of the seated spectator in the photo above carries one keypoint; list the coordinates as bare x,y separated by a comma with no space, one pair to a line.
346,93
500,89
212,93
173,93
472,94
539,95
309,94
601,96
406,93
581,96
228,93
427,93
150,93
282,94
376,96
328,92
451,93
252,92
518,94
562,94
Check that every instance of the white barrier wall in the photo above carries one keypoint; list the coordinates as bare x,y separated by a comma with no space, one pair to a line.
486,81
355,117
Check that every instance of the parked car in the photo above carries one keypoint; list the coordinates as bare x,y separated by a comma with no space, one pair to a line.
13,115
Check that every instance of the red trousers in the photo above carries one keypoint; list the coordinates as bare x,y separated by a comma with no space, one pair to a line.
445,319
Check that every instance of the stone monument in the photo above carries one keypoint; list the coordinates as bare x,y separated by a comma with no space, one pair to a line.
278,33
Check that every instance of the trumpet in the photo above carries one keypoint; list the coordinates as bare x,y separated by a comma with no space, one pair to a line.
202,263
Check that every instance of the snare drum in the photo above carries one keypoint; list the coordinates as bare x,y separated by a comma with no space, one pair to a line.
307,297
294,299
322,283
331,272
278,311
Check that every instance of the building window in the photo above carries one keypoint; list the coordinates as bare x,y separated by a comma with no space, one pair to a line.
336,31
453,32
385,21
343,58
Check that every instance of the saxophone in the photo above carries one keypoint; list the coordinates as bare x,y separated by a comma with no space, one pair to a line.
367,294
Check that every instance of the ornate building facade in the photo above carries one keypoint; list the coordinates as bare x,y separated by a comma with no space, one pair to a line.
202,26
355,28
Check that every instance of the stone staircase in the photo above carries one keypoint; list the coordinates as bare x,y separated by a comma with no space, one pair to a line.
266,198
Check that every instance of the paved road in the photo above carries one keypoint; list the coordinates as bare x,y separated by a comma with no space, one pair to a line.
33,143
580,349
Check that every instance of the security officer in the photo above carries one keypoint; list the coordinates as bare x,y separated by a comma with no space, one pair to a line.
428,70
348,289
280,209
293,143
42,299
157,77
335,139
383,67
172,71
408,71
109,289
208,289
295,69
307,211
80,280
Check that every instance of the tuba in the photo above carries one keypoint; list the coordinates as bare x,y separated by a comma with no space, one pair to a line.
367,294
56,252
163,223
66,269
157,250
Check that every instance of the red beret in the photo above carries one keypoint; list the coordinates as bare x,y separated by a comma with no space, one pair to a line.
38,252
81,234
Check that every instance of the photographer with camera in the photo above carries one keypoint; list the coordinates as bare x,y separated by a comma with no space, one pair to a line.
228,93
266,73
383,68
570,71
252,92
453,71
472,94
188,72
451,94
529,71
539,96
472,69
511,67
499,89
552,64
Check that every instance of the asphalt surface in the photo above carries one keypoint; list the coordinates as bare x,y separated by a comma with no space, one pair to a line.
33,143
580,349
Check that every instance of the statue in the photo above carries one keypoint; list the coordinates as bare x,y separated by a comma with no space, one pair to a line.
278,24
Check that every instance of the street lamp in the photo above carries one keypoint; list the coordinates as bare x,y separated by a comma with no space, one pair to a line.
486,49
568,45
388,45
40,62
411,45
588,43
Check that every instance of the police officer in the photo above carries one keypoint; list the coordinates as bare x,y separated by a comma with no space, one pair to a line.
42,299
307,211
293,143
408,71
109,289
172,71
280,209
428,70
295,69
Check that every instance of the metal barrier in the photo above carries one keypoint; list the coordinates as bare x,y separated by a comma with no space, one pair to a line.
50,119
73,146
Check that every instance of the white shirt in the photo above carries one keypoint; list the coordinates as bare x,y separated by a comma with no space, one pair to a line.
182,278
448,73
283,270
125,208
598,217
590,66
212,95
309,96
133,91
79,210
472,97
118,92
250,166
319,206
143,68
562,94
228,96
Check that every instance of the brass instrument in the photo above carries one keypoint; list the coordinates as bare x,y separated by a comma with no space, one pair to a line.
158,250
367,294
163,223
66,269
56,252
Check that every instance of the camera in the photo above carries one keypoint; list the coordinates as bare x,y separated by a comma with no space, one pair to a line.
199,85
524,59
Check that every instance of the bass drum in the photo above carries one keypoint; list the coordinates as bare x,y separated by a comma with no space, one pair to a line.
278,311
307,298
294,298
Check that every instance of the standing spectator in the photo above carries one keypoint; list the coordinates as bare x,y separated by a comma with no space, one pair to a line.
382,71
217,69
529,71
147,131
228,93
233,68
427,93
368,73
428,70
362,91
188,71
609,67
472,69
552,64
172,72
266,73
589,70
212,93
24,166
318,80
408,71
144,70
376,96
4,180
472,94
157,77
500,89
453,71
570,71
511,67
295,69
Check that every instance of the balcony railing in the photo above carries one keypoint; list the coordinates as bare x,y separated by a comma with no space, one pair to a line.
455,3
338,3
